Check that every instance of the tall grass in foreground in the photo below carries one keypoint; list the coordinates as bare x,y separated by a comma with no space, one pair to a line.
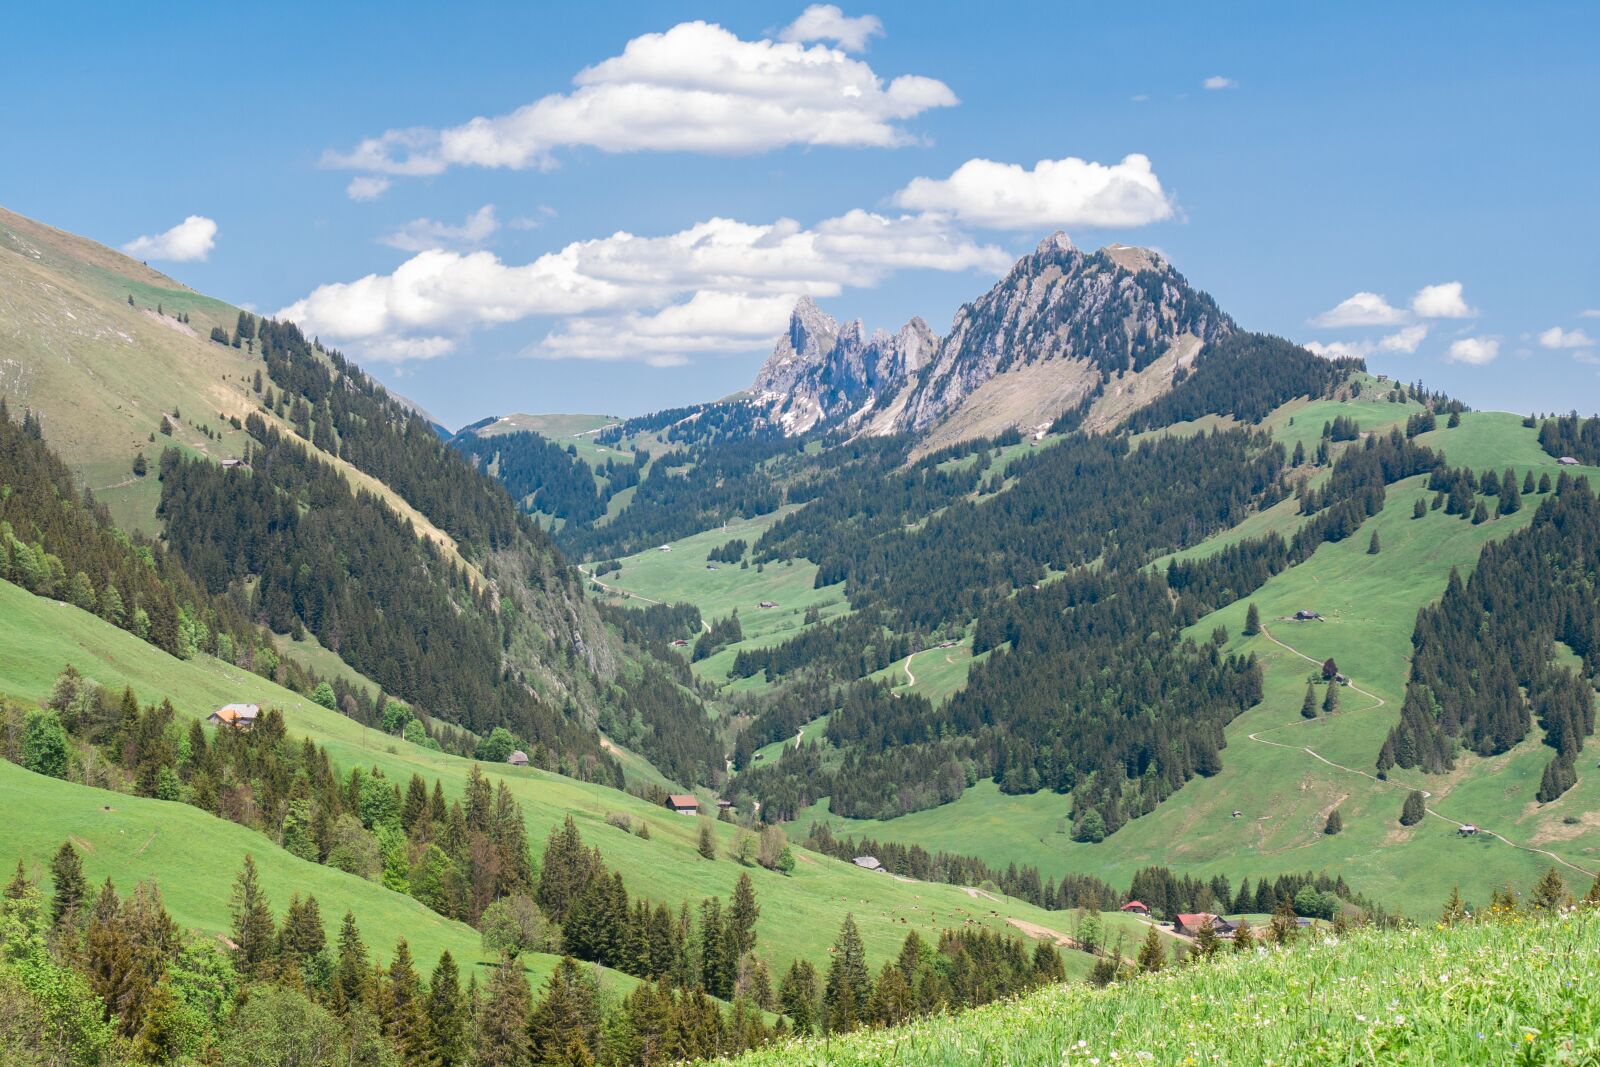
1519,990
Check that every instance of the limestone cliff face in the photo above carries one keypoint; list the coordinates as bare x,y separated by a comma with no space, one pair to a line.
821,371
1063,323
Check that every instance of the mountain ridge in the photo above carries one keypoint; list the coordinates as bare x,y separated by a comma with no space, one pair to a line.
1063,328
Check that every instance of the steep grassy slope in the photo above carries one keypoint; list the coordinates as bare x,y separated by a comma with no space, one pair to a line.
800,914
102,373
1519,991
194,857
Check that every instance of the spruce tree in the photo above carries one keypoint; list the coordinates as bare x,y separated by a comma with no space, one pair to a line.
254,932
66,871
1308,706
891,1002
1206,941
1330,699
1152,955
1414,809
564,1026
797,995
1252,621
849,985
1510,497
742,915
1419,509
502,1030
1372,546
1480,514
403,1022
1335,823
1455,909
1244,938
1550,893
352,976
708,844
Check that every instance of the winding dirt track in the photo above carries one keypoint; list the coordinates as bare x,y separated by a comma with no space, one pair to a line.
1379,702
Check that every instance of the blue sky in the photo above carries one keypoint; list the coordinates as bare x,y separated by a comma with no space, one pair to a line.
1412,182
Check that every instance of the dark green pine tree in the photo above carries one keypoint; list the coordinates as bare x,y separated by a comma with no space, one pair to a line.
1414,810
302,940
1308,706
1252,620
501,1038
1419,509
1559,776
849,985
1510,497
716,966
1299,454
1152,954
565,1024
66,872
797,996
1330,699
743,912
255,935
1480,514
445,1015
1372,546
401,1006
352,976
1334,824
708,843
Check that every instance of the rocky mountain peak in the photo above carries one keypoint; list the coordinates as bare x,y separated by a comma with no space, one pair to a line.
1056,242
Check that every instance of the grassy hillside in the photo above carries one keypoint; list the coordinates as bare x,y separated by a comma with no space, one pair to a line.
1283,792
1519,991
102,372
194,857
800,913
683,575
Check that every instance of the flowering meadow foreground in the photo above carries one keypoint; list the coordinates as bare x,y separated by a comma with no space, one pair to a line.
1516,989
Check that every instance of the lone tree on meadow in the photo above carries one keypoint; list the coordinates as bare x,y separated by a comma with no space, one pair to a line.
1372,545
1335,823
1330,700
1308,706
1414,810
708,844
1152,956
1252,621
1550,893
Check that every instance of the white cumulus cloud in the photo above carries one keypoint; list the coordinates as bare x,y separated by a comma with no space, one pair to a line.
1443,301
366,187
708,322
696,87
1475,351
1361,309
1405,340
191,239
826,22
419,235
1056,192
1217,81
1556,337
1338,349
717,286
